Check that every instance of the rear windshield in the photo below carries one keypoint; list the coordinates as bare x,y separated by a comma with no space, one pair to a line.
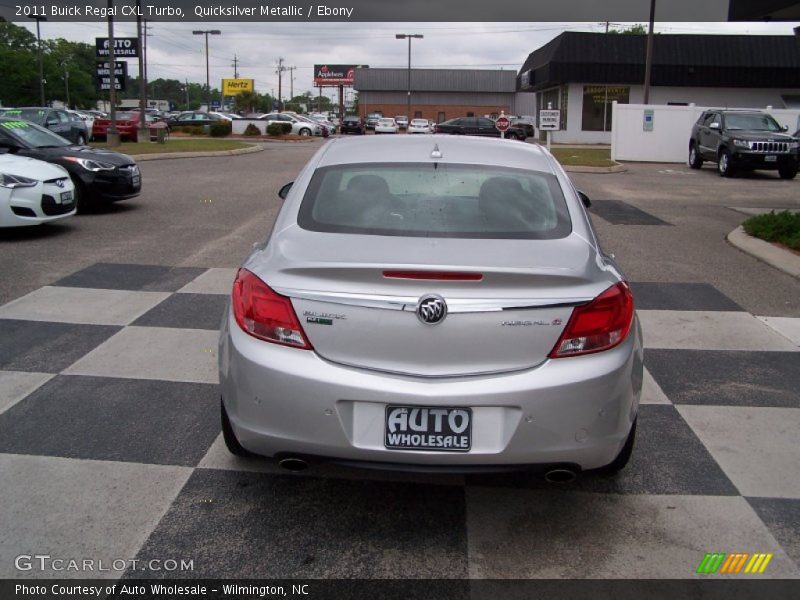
435,200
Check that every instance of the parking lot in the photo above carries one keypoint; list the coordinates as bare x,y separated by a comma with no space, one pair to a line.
110,445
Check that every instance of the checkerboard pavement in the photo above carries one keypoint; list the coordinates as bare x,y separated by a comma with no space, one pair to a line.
110,448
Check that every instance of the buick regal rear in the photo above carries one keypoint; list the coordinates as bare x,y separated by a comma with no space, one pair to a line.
444,306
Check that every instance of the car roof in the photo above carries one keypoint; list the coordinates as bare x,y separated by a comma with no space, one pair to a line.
454,149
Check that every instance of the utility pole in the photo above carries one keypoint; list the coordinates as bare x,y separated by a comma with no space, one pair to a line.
291,82
66,80
409,36
112,135
648,67
207,32
187,93
39,52
235,67
280,71
143,135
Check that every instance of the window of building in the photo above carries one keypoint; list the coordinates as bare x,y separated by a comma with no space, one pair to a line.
597,104
417,114
470,114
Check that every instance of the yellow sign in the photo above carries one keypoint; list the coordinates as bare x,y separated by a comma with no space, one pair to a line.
232,87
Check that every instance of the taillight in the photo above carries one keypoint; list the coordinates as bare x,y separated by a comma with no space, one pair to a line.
264,314
599,325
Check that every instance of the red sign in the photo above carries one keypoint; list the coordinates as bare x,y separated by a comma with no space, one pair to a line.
502,124
334,75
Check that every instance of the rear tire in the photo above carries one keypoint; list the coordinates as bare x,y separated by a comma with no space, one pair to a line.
81,140
623,457
695,162
724,166
788,172
231,443
305,132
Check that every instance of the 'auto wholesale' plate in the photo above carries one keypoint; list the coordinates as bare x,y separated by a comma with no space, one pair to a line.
428,428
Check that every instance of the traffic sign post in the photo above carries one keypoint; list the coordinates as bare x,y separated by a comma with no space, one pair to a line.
549,120
502,124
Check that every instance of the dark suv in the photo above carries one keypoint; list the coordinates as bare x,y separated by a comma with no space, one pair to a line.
743,140
353,124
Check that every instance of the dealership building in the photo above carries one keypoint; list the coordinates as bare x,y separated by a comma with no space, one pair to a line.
582,74
441,94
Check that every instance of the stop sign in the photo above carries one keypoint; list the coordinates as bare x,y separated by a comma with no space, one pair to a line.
502,124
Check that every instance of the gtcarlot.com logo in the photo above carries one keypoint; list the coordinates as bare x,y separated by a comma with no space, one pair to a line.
45,562
734,564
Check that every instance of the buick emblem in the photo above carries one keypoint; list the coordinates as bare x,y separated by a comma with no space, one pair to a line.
431,309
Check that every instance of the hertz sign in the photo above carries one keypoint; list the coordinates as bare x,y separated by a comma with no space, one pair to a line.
233,87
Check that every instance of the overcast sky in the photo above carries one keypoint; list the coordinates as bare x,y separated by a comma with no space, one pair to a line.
173,52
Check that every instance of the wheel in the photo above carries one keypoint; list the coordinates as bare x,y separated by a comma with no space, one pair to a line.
623,457
83,201
695,162
788,171
81,140
724,166
305,132
231,443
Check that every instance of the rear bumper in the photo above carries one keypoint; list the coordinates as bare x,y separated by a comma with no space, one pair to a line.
283,401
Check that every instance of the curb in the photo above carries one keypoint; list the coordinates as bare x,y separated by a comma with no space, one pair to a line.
774,256
581,169
168,155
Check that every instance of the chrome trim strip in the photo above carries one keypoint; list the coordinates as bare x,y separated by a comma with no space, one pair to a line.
409,303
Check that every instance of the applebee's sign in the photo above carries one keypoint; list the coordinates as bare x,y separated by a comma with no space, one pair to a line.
334,74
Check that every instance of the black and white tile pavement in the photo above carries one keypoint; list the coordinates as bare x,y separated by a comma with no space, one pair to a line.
110,448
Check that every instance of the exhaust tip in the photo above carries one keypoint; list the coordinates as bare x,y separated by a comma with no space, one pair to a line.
560,476
293,464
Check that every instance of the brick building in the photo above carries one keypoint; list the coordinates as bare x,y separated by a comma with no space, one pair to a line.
441,94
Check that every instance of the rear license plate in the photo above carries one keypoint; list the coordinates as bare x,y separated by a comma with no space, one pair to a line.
771,158
66,197
428,428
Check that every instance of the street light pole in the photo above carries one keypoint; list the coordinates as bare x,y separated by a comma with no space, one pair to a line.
403,36
39,53
207,32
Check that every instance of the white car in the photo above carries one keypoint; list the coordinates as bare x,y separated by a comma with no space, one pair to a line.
386,125
299,126
419,126
402,121
33,192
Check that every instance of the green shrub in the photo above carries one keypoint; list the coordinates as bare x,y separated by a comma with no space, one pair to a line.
286,128
276,129
782,227
252,130
220,128
190,129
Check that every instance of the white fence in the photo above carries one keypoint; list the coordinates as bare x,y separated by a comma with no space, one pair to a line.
668,141
239,125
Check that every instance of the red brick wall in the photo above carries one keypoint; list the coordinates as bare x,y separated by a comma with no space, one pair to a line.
430,111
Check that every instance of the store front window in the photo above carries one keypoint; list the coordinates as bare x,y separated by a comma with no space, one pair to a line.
597,102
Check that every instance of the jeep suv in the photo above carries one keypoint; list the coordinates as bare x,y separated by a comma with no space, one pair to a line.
743,140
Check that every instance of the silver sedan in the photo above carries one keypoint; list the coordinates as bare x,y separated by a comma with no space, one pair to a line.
432,302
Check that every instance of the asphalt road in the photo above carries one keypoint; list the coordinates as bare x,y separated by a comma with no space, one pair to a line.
208,212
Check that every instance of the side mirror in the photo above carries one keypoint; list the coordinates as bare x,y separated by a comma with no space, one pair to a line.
284,191
585,199
785,128
714,125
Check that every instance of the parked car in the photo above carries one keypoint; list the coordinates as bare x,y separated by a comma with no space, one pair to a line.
33,192
353,124
194,118
88,121
128,123
478,284
402,121
527,124
58,121
419,126
99,175
372,119
386,125
299,126
477,126
743,140
324,121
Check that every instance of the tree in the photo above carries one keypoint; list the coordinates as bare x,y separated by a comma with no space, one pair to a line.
637,29
246,102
